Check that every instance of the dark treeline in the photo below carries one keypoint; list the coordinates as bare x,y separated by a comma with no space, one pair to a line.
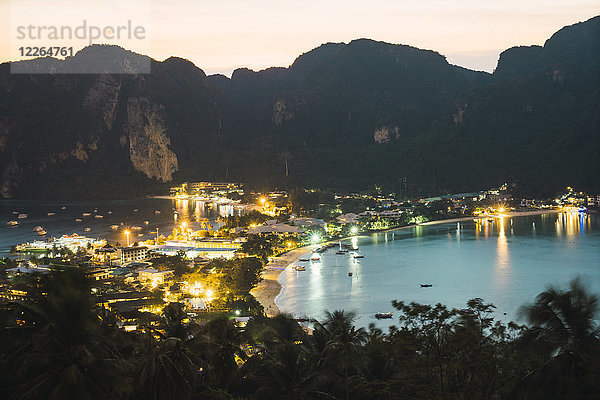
62,346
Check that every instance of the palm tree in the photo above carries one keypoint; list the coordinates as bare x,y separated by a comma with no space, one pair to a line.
565,324
173,315
220,344
286,373
168,370
345,342
67,355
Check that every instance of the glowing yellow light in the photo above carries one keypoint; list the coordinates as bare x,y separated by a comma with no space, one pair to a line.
263,200
501,209
184,225
127,235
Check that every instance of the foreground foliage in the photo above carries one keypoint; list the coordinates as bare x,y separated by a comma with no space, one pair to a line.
63,347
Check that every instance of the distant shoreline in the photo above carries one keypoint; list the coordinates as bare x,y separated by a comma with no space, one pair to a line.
269,287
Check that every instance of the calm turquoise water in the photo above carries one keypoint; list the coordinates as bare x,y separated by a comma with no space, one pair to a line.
505,262
122,213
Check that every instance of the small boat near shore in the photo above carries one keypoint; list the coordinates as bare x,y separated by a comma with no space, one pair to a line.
42,232
38,228
22,216
51,214
87,229
426,285
359,256
382,315
299,268
12,223
114,227
303,259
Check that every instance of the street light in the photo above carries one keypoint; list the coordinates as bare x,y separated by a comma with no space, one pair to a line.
127,235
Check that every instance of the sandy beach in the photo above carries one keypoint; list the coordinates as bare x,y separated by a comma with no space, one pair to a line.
268,288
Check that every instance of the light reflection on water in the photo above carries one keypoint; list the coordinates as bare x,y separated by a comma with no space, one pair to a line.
161,214
505,261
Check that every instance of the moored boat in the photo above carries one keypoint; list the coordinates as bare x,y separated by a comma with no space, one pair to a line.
299,268
77,219
99,216
41,233
303,259
114,227
12,223
51,214
38,228
381,315
22,216
86,214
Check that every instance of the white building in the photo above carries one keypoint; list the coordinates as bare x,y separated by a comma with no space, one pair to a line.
154,276
130,254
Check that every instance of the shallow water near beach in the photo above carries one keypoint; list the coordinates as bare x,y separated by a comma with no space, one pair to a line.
507,262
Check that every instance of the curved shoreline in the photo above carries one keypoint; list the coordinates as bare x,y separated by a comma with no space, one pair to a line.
269,288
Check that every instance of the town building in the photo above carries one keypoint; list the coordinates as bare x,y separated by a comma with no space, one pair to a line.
154,276
98,273
134,253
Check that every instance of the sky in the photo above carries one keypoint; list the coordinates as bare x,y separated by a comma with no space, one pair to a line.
221,35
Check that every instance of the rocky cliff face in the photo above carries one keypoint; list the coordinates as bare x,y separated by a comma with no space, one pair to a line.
344,116
148,140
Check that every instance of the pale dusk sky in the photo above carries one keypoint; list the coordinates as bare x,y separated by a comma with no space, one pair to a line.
219,36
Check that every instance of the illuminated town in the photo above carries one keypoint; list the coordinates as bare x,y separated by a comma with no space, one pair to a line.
197,268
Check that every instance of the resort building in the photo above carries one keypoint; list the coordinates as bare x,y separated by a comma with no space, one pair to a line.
308,222
154,276
130,254
27,269
98,274
276,229
201,247
72,242
205,188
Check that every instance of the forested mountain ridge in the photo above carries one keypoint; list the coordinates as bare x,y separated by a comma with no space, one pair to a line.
344,116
